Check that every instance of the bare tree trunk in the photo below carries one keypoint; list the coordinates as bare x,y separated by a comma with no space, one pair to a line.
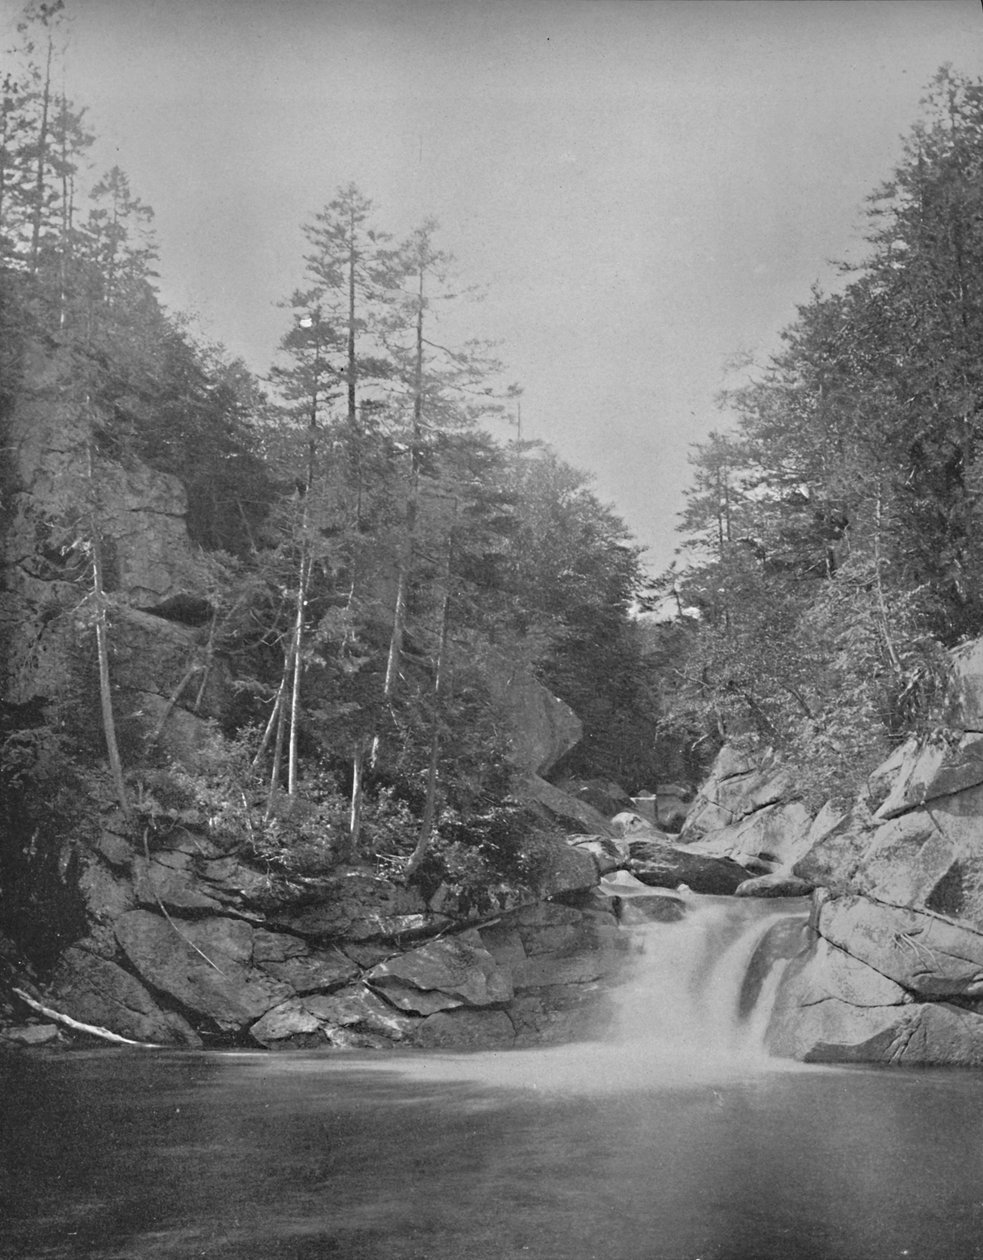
105,689
296,652
274,717
355,817
275,769
352,371
430,806
67,212
412,512
38,209
879,588
303,579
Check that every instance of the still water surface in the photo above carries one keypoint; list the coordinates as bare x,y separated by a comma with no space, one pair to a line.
675,1138
133,1156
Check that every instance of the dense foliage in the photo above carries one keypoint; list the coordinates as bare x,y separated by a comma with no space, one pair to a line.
834,531
367,555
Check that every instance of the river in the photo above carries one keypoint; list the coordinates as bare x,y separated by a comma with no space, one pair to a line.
594,1152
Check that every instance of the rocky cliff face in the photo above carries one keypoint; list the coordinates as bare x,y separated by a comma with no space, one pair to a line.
59,488
61,485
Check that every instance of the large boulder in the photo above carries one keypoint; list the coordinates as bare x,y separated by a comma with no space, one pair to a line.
541,728
833,1008
353,1018
929,769
563,868
601,794
609,853
667,866
203,965
563,945
169,879
927,858
835,846
302,966
630,823
465,1030
454,971
353,903
777,884
771,838
925,954
739,784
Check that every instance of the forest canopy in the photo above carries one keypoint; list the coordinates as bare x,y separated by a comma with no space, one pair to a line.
833,529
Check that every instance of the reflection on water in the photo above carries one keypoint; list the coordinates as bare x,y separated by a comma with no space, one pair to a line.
132,1156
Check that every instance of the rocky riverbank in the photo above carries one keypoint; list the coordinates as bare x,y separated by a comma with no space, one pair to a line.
894,970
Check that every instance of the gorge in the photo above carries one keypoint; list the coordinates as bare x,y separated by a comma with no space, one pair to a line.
389,864
160,928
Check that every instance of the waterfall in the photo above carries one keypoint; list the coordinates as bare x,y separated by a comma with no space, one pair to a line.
692,1010
702,990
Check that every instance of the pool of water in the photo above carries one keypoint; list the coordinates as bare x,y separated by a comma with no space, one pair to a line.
567,1154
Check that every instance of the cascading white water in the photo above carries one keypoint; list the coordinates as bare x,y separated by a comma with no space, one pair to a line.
692,1011
704,987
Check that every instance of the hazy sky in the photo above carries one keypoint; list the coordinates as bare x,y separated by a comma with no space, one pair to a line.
645,186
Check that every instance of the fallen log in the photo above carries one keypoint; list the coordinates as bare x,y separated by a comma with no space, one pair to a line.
77,1026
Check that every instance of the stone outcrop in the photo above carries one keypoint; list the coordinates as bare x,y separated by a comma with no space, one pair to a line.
926,770
833,1008
739,786
895,970
965,710
188,944
531,975
179,940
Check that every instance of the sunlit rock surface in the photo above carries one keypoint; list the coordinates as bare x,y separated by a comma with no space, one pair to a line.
739,785
896,971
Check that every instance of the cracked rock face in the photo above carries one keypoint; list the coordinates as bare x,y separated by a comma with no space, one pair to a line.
102,993
204,964
188,943
738,786
459,968
60,492
894,970
833,1008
